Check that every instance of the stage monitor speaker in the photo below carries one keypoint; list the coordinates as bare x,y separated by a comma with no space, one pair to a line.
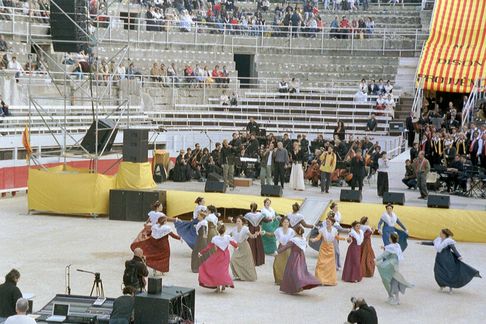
271,191
350,195
135,145
134,205
215,186
105,136
439,201
134,209
154,285
69,21
213,176
117,205
396,198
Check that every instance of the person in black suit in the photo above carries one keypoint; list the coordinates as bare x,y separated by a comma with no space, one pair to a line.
411,129
371,124
414,151
357,168
9,294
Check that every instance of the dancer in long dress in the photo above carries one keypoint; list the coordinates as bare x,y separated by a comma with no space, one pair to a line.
449,270
283,234
352,264
153,217
201,241
156,248
296,219
269,240
297,172
242,263
326,263
214,272
389,219
367,254
254,219
187,229
388,267
337,225
296,276
213,222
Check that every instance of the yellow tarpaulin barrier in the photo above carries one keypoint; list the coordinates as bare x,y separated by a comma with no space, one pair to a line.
454,56
181,202
423,223
69,190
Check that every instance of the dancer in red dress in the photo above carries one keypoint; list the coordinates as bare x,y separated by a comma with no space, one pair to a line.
367,254
214,272
352,265
156,247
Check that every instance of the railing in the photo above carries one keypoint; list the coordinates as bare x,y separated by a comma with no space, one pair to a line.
478,92
262,36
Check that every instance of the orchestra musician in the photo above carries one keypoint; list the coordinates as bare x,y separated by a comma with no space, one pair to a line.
357,168
328,161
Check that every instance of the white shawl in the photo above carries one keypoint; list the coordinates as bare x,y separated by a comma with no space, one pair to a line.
295,218
358,236
254,218
197,210
242,235
154,216
395,248
283,238
328,236
365,228
268,212
201,223
389,220
159,231
337,216
222,242
300,242
440,244
212,218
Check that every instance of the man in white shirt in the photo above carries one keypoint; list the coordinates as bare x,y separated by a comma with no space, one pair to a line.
266,166
15,66
22,306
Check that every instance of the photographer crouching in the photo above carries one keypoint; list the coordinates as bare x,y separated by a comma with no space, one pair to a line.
362,313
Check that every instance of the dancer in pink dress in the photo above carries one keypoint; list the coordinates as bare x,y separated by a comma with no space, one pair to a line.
214,273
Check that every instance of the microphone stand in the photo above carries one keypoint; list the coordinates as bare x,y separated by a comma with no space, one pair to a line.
67,272
210,140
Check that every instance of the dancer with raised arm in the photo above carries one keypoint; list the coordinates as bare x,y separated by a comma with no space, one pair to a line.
388,220
449,270
388,267
283,234
242,263
254,219
296,276
296,219
367,254
156,248
187,229
201,241
214,272
269,240
326,263
336,216
352,264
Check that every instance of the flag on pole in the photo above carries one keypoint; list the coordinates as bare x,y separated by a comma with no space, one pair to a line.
26,142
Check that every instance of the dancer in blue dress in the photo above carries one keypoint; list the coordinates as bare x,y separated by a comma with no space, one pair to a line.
449,270
388,220
187,229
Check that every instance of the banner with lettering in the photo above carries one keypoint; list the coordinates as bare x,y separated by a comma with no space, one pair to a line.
454,56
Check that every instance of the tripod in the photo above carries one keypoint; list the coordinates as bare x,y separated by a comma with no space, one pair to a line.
97,284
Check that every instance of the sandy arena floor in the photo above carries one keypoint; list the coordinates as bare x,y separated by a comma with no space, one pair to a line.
41,246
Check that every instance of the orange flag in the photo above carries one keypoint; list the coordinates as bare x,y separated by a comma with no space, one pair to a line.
26,142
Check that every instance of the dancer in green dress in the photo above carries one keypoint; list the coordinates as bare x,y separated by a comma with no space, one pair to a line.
269,227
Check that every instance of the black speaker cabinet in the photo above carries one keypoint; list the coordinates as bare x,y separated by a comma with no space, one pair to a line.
396,198
134,205
350,195
271,191
160,175
213,176
105,136
172,305
215,186
135,145
438,201
154,285
69,25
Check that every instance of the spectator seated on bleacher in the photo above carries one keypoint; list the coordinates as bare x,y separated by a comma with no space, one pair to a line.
4,108
224,100
344,28
481,114
380,104
373,88
16,67
381,87
189,74
390,105
283,86
294,86
234,99
3,45
186,21
388,87
371,124
155,73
